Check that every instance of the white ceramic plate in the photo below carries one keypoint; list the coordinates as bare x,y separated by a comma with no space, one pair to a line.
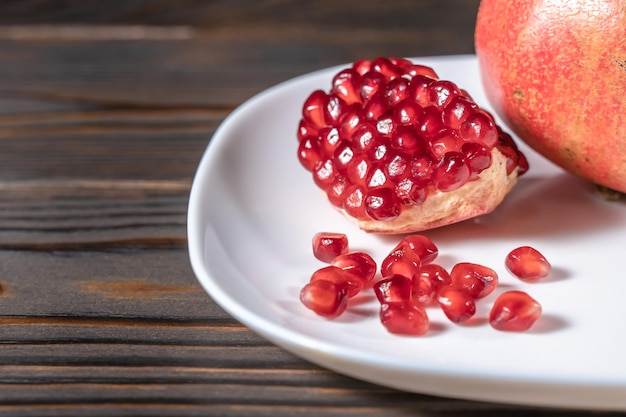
253,210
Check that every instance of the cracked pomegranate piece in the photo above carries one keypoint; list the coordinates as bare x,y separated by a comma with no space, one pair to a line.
514,311
478,280
327,246
324,298
458,305
527,263
404,318
346,280
398,150
357,263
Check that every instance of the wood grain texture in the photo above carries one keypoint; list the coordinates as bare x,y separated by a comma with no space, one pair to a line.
105,110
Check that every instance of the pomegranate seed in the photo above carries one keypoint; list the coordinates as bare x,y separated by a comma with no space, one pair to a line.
477,156
421,70
423,290
313,109
406,113
385,67
442,92
371,83
358,263
305,130
430,121
422,165
397,167
380,204
327,246
337,191
422,246
514,311
397,90
364,137
527,263
324,173
452,172
350,121
393,289
444,141
479,127
362,66
478,280
401,261
419,91
324,298
457,304
309,153
329,140
354,204
409,192
457,110
376,107
404,318
343,156
346,86
436,274
341,278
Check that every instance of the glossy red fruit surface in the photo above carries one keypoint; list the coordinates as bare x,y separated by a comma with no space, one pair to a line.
358,263
327,245
404,318
393,289
477,280
527,263
514,311
389,134
324,298
577,118
458,305
343,279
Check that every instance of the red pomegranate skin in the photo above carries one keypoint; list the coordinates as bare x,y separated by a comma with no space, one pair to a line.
555,71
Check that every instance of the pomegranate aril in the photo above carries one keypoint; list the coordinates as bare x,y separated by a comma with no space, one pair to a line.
354,204
514,311
337,191
329,140
443,141
309,153
385,67
423,290
378,178
430,121
393,289
324,298
341,278
478,280
359,170
305,130
404,318
371,83
346,86
418,90
358,263
324,173
380,204
422,166
456,304
364,137
343,156
527,263
436,274
479,127
442,92
362,66
457,110
409,192
397,167
334,110
327,246
478,158
350,121
401,261
386,123
397,90
421,70
420,245
406,113
451,173
406,141
376,106
313,109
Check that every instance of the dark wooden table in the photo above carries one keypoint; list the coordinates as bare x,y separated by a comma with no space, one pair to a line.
105,110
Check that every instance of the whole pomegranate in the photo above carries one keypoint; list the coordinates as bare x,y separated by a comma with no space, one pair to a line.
555,71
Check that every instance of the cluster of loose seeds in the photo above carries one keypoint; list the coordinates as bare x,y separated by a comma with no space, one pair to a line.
411,281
